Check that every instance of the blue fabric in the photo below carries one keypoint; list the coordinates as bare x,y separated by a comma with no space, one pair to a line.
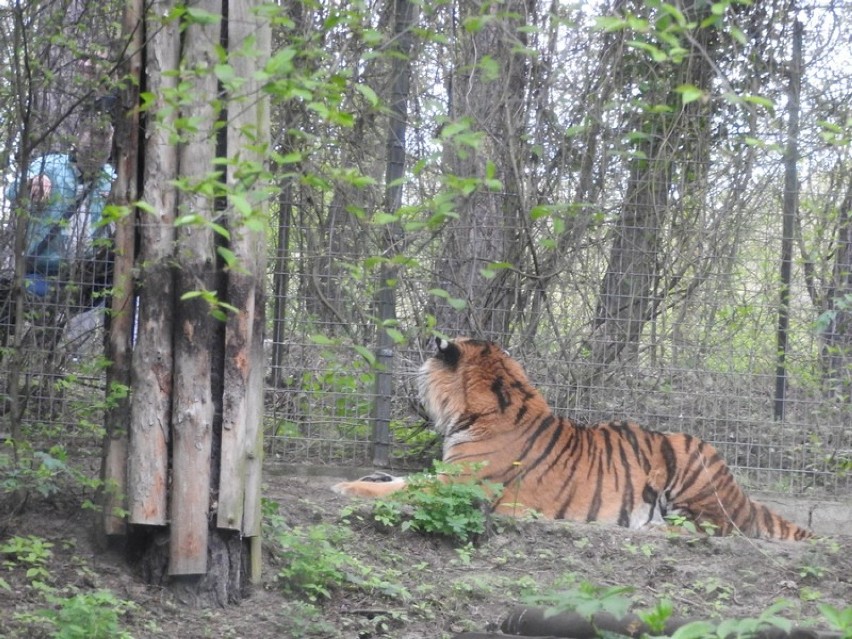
37,285
46,257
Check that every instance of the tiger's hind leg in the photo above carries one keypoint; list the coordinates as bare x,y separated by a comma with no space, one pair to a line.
377,484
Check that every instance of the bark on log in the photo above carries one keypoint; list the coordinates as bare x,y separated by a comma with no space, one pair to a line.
195,334
151,377
120,322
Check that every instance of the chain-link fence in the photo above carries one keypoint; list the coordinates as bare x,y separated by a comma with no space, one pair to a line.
648,207
651,214
705,363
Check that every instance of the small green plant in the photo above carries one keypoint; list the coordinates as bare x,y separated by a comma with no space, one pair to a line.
713,590
313,563
446,503
811,572
35,470
587,600
645,549
582,542
31,553
736,628
839,618
809,594
464,553
657,617
749,626
93,615
682,521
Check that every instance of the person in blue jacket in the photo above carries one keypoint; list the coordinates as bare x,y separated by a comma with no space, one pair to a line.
65,196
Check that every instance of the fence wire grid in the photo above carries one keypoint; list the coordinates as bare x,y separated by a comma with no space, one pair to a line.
707,365
633,223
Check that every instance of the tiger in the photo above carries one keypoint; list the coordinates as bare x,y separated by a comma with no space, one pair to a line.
490,416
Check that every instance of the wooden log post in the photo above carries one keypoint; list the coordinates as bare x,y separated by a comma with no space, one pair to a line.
195,444
525,621
119,343
242,418
151,380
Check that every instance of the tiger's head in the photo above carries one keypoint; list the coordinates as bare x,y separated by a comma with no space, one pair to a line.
472,388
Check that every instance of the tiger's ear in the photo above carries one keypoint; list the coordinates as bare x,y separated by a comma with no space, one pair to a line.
448,352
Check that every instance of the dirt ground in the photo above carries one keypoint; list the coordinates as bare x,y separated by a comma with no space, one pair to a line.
410,586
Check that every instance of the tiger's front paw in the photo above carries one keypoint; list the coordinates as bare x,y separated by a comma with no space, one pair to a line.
376,484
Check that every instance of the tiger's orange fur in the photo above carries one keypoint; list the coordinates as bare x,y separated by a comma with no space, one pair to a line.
616,472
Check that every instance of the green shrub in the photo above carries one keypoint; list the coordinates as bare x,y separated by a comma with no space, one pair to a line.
446,503
93,615
313,563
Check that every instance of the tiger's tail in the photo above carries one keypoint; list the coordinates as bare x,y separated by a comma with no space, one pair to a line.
762,521
709,492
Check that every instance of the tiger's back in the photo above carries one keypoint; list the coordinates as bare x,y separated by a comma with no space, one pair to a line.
617,472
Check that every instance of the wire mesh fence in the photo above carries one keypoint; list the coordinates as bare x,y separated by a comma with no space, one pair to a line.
623,204
655,228
705,364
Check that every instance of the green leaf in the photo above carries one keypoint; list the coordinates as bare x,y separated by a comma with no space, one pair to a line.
689,93
490,68
396,335
571,131
719,8
539,211
674,12
380,217
287,158
695,630
657,55
224,72
282,62
760,101
452,129
366,353
473,24
191,218
321,340
228,256
438,292
609,23
241,204
368,94
220,230
738,35
144,206
456,303
194,15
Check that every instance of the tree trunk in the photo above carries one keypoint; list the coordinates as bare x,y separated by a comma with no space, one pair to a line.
671,150
404,18
790,205
488,226
837,336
